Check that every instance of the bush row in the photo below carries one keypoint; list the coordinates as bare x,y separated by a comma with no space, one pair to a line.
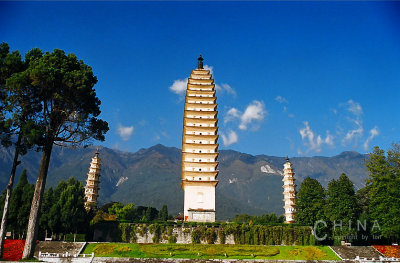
241,233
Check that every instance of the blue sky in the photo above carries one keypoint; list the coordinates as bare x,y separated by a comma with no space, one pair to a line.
294,78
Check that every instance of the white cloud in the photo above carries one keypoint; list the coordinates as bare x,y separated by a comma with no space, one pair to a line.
231,115
329,139
372,134
353,134
125,132
354,107
210,68
254,112
179,86
356,132
230,139
281,99
312,141
225,88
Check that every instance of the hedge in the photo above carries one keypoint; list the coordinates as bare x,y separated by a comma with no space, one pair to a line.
208,233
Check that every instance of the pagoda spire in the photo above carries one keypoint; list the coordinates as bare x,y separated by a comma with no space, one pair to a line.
289,192
92,182
200,62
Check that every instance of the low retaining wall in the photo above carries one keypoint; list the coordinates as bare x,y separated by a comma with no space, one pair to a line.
145,236
204,234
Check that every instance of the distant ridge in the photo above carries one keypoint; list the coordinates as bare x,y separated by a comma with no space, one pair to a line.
248,184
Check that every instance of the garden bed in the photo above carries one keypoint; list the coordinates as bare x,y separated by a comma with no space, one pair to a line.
389,251
201,251
13,249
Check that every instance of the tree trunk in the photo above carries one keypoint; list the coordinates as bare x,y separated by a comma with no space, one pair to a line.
33,224
8,194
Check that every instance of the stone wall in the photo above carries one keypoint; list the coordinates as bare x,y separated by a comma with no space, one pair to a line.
200,233
112,233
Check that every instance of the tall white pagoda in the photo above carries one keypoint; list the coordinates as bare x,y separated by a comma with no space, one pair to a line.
92,183
289,192
200,147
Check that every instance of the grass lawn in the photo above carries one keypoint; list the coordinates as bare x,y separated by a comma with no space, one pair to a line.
210,251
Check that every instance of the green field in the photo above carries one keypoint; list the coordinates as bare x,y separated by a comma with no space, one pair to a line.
210,251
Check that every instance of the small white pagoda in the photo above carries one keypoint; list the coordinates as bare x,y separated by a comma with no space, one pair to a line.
92,183
200,147
289,192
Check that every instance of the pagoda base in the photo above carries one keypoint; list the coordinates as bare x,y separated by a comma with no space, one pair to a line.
200,216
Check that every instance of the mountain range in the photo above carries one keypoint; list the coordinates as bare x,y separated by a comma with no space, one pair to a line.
151,177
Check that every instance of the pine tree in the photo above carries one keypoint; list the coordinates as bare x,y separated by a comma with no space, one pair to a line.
48,200
163,214
72,210
18,109
20,205
341,207
63,87
310,202
384,191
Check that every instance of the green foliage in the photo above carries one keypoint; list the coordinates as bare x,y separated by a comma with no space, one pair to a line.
362,196
17,107
341,205
116,208
172,239
242,233
195,236
75,237
57,92
384,191
156,230
63,209
210,235
221,236
258,220
128,232
20,204
130,213
310,202
163,214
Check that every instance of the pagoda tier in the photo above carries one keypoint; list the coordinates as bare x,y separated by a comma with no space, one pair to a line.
199,147
92,183
289,192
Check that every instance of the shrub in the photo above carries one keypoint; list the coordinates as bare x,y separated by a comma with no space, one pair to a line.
210,235
172,239
104,249
195,236
124,249
78,237
221,236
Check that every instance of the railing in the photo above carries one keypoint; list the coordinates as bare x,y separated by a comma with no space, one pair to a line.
380,259
43,255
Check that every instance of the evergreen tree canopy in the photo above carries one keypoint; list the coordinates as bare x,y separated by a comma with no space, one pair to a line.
259,220
384,190
163,214
63,209
341,200
310,202
66,108
20,202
